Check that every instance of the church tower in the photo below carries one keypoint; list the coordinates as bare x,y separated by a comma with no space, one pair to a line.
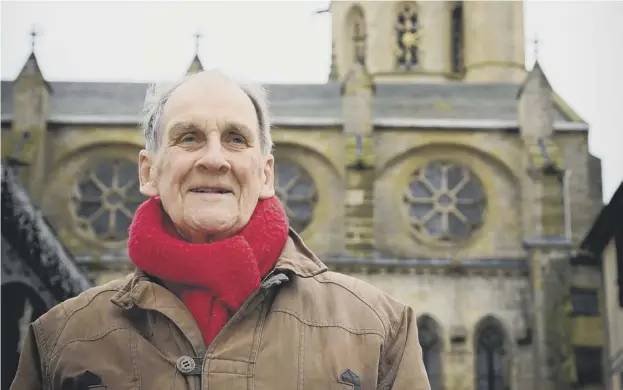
430,41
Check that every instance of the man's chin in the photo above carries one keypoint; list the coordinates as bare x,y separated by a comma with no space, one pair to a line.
217,225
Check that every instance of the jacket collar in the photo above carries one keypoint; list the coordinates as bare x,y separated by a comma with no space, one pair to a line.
297,258
145,292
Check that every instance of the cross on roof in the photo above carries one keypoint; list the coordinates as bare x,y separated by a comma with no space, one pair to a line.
198,37
536,41
33,37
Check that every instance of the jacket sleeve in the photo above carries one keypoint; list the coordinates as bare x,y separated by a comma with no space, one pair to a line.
29,370
402,365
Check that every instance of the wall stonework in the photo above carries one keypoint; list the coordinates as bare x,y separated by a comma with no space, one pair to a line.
585,201
465,301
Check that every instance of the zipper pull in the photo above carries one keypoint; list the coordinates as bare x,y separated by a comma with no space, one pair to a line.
275,280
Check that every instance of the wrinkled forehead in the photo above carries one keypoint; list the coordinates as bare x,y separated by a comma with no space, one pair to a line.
210,99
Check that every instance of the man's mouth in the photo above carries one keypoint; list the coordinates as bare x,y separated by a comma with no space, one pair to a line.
209,190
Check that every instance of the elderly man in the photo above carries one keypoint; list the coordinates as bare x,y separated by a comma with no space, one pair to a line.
225,296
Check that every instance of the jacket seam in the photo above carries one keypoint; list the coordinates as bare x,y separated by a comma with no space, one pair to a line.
301,362
97,336
135,359
60,329
364,301
255,344
69,315
43,354
360,331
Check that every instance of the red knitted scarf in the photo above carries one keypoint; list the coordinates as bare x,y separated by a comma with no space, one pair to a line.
213,279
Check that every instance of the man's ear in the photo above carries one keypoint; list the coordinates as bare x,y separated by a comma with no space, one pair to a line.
147,174
268,176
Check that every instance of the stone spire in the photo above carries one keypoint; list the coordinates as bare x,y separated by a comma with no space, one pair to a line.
27,142
196,65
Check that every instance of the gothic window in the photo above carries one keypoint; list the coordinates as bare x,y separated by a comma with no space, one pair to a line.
357,26
296,189
457,45
588,365
490,358
407,36
105,198
431,351
445,202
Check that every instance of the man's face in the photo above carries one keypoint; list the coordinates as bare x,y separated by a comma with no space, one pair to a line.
209,171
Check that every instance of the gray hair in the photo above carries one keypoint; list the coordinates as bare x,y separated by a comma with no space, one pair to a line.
158,95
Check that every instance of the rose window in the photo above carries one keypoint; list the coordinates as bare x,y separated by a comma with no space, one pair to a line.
295,187
105,198
445,201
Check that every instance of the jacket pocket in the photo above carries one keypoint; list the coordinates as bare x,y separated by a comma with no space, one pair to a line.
104,362
349,380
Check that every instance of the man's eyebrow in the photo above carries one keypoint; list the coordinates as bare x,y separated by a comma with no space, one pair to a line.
180,127
237,126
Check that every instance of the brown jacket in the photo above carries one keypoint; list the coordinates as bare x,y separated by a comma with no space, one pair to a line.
305,328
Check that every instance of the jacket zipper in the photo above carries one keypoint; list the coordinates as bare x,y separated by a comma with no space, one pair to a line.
233,318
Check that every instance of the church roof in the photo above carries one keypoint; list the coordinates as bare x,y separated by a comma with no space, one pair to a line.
455,104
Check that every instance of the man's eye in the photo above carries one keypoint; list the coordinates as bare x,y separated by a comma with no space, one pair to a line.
188,138
237,139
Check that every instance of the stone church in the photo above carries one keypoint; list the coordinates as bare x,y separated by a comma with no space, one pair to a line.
430,164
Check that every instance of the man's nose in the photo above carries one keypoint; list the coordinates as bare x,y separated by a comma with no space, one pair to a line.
212,157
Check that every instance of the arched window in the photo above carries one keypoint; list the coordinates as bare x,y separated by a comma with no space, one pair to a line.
457,36
407,36
490,356
428,333
297,191
357,33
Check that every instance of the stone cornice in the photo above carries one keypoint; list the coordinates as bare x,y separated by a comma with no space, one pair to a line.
456,267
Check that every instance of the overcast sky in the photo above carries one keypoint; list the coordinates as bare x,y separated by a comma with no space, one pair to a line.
285,42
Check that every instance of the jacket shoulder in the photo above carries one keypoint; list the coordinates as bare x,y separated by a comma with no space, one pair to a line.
89,313
388,309
334,299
